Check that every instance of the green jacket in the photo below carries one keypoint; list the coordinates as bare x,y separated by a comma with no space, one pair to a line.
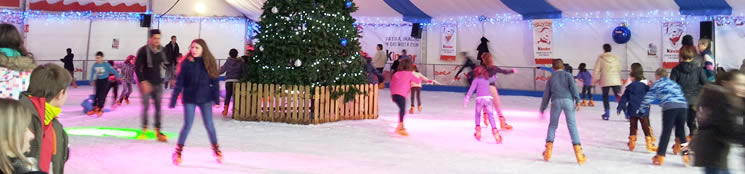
60,158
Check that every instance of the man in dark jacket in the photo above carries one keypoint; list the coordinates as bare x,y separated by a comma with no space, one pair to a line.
720,124
691,78
46,93
482,48
150,58
69,66
172,52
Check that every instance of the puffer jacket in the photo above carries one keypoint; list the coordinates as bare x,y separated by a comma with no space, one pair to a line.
720,123
15,71
233,68
691,78
607,70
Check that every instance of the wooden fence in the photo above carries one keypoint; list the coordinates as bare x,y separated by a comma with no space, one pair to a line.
301,105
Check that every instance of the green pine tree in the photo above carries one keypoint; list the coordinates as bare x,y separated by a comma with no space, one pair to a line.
300,43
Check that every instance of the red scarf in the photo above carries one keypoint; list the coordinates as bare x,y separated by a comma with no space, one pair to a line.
48,142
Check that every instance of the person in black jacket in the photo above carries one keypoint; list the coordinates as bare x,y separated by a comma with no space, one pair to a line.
233,69
150,58
721,110
172,54
482,48
69,66
691,78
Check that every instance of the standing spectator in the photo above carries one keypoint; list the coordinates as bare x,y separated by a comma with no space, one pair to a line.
403,55
372,72
379,62
704,46
691,78
233,68
15,63
148,68
607,73
69,66
172,55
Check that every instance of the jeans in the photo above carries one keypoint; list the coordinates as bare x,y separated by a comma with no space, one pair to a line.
672,118
416,92
379,73
189,111
606,90
228,93
485,104
691,120
401,103
156,95
567,106
170,70
102,89
126,91
711,170
587,92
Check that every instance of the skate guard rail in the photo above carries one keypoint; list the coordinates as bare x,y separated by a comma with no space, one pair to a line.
302,104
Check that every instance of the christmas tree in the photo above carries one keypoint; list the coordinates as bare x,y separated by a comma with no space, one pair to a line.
308,42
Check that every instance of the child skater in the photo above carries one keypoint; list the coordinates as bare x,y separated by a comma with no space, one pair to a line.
630,101
483,101
674,110
400,87
562,92
128,78
493,70
198,77
114,83
100,73
416,90
586,78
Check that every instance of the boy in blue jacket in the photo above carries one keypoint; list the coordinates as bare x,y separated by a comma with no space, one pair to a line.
100,77
630,102
674,111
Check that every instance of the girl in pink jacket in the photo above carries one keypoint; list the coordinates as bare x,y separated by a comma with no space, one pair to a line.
400,88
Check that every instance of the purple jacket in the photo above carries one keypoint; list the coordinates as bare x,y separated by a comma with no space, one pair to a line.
586,78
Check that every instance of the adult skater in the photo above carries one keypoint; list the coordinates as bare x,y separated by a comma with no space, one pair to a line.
69,66
607,73
147,68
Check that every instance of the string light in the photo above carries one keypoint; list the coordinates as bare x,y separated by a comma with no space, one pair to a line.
15,16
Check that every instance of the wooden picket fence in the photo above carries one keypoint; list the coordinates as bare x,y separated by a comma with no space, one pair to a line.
301,105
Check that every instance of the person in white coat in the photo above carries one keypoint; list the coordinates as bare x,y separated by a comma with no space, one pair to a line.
607,74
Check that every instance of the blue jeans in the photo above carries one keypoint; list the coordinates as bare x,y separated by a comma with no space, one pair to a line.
567,106
709,170
206,109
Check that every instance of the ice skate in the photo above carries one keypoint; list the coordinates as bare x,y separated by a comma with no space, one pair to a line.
99,113
381,86
676,147
420,108
581,158
477,135
591,104
401,130
632,142
411,111
584,103
686,155
658,160
161,137
650,144
94,111
497,137
218,153
547,152
225,111
503,124
126,100
176,157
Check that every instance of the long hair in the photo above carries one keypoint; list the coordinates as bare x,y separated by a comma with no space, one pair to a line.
11,38
129,59
209,60
405,65
487,60
480,72
13,123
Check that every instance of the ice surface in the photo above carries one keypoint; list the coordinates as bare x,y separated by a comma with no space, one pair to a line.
440,141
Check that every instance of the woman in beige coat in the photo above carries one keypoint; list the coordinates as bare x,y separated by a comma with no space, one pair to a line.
607,74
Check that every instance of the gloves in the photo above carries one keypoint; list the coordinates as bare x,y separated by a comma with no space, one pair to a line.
514,70
465,102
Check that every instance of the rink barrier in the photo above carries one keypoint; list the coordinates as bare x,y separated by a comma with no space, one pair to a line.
302,104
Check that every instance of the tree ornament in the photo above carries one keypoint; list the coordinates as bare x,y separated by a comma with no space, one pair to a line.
298,63
621,34
348,4
275,10
261,48
343,42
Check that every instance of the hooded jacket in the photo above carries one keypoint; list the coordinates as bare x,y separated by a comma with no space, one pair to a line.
233,68
15,71
50,143
607,70
720,123
691,78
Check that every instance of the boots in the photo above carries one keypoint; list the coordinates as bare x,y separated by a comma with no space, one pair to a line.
218,153
547,152
676,147
584,103
591,104
632,142
606,116
142,136
477,135
581,158
650,144
381,86
503,124
658,160
411,111
94,111
497,137
486,119
176,157
161,137
420,108
225,110
74,84
401,130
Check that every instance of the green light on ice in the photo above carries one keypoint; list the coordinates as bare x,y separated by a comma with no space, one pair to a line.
126,133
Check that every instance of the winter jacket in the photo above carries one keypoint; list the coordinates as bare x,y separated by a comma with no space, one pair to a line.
102,71
720,123
607,70
632,98
148,65
690,78
628,82
481,86
401,83
233,68
19,167
127,72
68,62
669,93
15,71
50,143
586,78
379,59
559,86
172,51
196,82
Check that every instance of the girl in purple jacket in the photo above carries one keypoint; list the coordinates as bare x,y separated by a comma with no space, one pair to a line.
483,101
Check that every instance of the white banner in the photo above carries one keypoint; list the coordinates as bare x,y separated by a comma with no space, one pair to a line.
448,43
672,38
394,38
543,41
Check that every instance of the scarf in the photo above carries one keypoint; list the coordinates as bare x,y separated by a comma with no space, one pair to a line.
8,52
150,51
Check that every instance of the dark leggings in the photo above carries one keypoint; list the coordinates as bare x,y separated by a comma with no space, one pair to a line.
228,93
672,119
587,92
606,90
691,121
379,73
401,103
102,89
114,85
633,125
416,91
